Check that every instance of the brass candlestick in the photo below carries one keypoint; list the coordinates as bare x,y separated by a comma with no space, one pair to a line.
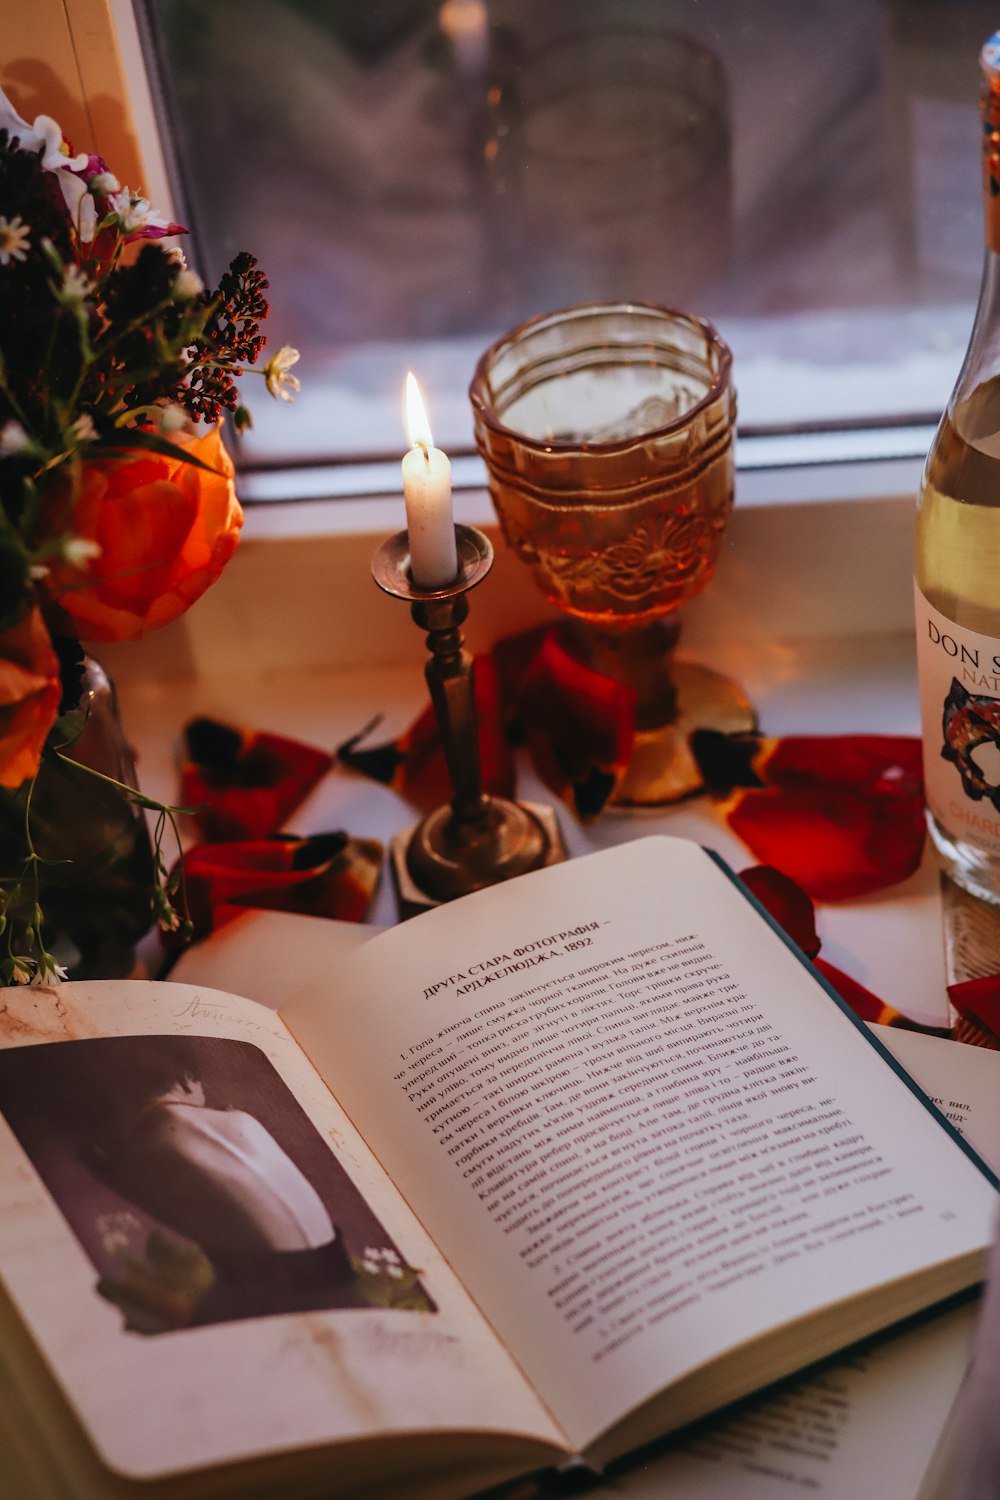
477,839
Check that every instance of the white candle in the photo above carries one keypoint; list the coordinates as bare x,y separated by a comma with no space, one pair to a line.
427,492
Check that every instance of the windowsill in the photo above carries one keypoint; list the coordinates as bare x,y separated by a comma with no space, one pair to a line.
808,555
810,610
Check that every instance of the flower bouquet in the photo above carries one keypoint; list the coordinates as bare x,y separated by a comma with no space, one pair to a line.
117,511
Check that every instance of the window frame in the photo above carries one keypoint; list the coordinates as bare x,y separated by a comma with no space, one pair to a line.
93,51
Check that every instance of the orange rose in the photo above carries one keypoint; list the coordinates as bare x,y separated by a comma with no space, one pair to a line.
29,696
166,529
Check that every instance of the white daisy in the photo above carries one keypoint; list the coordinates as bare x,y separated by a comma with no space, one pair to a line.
78,551
86,219
82,430
276,377
134,212
173,418
76,287
104,183
47,971
187,286
13,439
15,237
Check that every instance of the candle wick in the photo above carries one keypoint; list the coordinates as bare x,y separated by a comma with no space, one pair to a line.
424,450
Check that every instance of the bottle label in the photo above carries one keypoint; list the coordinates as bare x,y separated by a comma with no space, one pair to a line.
959,674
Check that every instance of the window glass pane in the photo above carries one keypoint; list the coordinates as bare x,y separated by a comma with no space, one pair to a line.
417,176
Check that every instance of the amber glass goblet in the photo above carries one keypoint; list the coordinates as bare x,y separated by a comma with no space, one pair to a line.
607,431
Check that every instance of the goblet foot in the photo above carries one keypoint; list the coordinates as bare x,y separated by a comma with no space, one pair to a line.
439,858
662,768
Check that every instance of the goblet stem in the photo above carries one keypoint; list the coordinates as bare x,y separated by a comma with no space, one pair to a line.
639,656
673,697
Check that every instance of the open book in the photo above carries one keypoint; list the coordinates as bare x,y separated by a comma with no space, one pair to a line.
554,1170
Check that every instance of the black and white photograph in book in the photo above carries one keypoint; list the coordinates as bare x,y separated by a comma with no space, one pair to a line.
196,1184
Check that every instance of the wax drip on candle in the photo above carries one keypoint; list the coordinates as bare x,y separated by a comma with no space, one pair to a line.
427,492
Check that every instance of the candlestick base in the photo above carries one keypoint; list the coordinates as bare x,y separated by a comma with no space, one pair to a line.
438,858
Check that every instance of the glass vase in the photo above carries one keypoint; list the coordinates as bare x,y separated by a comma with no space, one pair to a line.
96,870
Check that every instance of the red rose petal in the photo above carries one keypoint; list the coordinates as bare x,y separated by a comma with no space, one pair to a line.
838,845
978,1000
578,725
870,764
787,903
329,875
246,784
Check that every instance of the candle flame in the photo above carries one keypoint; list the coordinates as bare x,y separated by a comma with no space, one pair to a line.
417,426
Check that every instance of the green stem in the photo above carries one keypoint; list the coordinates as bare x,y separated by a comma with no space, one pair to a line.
131,412
138,797
222,364
170,813
165,812
35,962
15,404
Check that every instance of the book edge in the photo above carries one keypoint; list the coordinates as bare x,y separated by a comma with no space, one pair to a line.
855,1020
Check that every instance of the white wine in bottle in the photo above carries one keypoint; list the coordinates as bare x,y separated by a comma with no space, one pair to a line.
957,573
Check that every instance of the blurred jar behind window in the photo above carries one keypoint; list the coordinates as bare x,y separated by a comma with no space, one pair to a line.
419,175
610,151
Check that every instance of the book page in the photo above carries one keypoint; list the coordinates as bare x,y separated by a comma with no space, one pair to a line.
206,1253
867,1425
963,1081
864,1426
639,1130
268,956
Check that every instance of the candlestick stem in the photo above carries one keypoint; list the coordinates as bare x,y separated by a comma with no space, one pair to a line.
448,670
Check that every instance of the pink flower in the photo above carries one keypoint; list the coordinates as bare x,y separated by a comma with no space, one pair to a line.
45,135
83,178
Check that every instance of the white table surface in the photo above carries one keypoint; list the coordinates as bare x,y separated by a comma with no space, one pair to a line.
891,942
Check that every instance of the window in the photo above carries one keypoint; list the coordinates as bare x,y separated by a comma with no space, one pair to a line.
417,176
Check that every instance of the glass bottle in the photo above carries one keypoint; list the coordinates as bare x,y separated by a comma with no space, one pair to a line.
957,573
